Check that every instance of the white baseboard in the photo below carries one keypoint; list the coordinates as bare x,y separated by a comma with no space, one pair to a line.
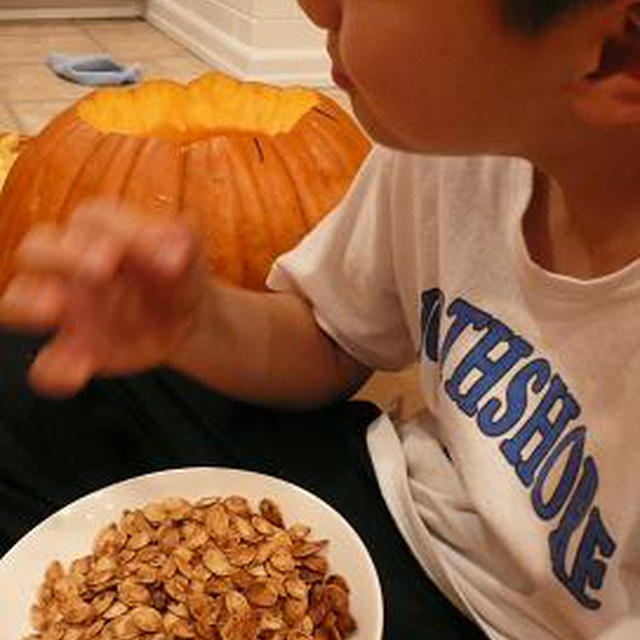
131,9
306,66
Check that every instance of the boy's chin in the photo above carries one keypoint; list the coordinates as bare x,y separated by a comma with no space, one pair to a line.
388,136
376,130
380,133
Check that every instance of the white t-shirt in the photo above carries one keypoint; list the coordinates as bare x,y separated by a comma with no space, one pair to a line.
518,490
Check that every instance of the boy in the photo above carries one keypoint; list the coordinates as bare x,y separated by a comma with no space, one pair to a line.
501,250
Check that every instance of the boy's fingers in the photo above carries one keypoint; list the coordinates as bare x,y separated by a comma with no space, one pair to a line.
40,251
71,251
33,302
103,216
161,247
166,251
62,368
100,259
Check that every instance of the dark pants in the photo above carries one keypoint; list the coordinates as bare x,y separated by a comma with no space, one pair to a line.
52,452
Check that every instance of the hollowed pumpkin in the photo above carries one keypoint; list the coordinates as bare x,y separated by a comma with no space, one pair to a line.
251,167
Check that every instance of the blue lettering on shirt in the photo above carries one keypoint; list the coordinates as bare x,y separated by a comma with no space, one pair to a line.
546,450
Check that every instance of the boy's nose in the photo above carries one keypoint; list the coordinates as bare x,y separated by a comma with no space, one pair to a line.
325,14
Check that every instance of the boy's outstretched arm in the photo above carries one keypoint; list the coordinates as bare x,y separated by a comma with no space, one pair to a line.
267,348
119,295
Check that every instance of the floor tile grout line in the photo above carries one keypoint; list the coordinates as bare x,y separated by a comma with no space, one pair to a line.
88,33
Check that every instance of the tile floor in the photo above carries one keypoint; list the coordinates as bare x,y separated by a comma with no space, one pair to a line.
30,95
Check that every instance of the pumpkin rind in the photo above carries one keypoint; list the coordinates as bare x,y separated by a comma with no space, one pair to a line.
249,195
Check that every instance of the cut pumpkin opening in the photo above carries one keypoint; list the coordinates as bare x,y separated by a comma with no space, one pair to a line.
211,105
9,149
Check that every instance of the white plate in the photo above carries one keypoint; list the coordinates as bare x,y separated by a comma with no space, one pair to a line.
70,532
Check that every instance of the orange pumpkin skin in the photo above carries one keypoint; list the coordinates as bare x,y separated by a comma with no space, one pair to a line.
249,195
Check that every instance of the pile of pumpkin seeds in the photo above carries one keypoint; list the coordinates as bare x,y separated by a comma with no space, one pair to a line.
212,570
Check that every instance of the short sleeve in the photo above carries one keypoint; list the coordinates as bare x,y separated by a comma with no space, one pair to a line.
344,269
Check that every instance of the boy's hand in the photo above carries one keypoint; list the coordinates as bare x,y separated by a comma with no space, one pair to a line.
120,294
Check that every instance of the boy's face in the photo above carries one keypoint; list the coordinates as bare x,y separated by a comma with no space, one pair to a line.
447,76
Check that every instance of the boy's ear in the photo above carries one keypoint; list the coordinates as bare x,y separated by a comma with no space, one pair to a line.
609,93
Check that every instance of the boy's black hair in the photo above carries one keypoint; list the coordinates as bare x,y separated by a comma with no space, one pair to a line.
533,16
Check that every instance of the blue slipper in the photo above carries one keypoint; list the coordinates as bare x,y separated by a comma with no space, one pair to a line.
93,69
